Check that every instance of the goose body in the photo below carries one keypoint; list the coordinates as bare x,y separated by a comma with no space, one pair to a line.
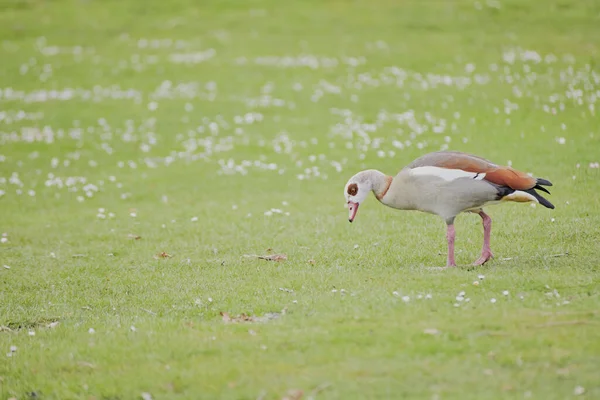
448,183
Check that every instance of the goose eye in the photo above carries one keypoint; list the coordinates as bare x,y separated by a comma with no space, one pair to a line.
352,189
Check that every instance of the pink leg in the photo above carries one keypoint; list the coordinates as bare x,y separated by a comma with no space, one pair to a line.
486,252
450,237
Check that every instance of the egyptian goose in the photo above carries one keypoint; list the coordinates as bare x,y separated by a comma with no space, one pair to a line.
447,183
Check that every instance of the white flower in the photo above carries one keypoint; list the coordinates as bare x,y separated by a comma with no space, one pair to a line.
493,300
91,331
405,299
579,390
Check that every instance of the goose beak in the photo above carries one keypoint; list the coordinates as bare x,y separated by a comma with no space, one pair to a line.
352,208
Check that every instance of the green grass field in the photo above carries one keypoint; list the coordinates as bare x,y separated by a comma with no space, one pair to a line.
218,130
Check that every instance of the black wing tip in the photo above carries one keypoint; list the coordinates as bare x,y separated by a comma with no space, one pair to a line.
544,182
546,203
543,189
539,182
540,199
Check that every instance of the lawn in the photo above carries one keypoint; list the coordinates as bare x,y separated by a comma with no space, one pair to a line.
150,151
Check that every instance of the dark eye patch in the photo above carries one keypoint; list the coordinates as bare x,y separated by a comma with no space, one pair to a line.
352,189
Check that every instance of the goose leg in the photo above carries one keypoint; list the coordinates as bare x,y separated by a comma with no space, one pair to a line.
450,237
486,252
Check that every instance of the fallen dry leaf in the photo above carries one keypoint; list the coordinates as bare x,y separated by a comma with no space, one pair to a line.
270,257
245,318
562,323
274,257
319,389
86,364
53,325
162,255
249,318
226,317
431,331
293,394
132,236
553,313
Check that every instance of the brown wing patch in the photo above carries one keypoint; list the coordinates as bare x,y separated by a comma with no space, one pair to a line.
352,189
503,176
511,177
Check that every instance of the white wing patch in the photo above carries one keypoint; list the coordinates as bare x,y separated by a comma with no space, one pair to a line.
446,173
